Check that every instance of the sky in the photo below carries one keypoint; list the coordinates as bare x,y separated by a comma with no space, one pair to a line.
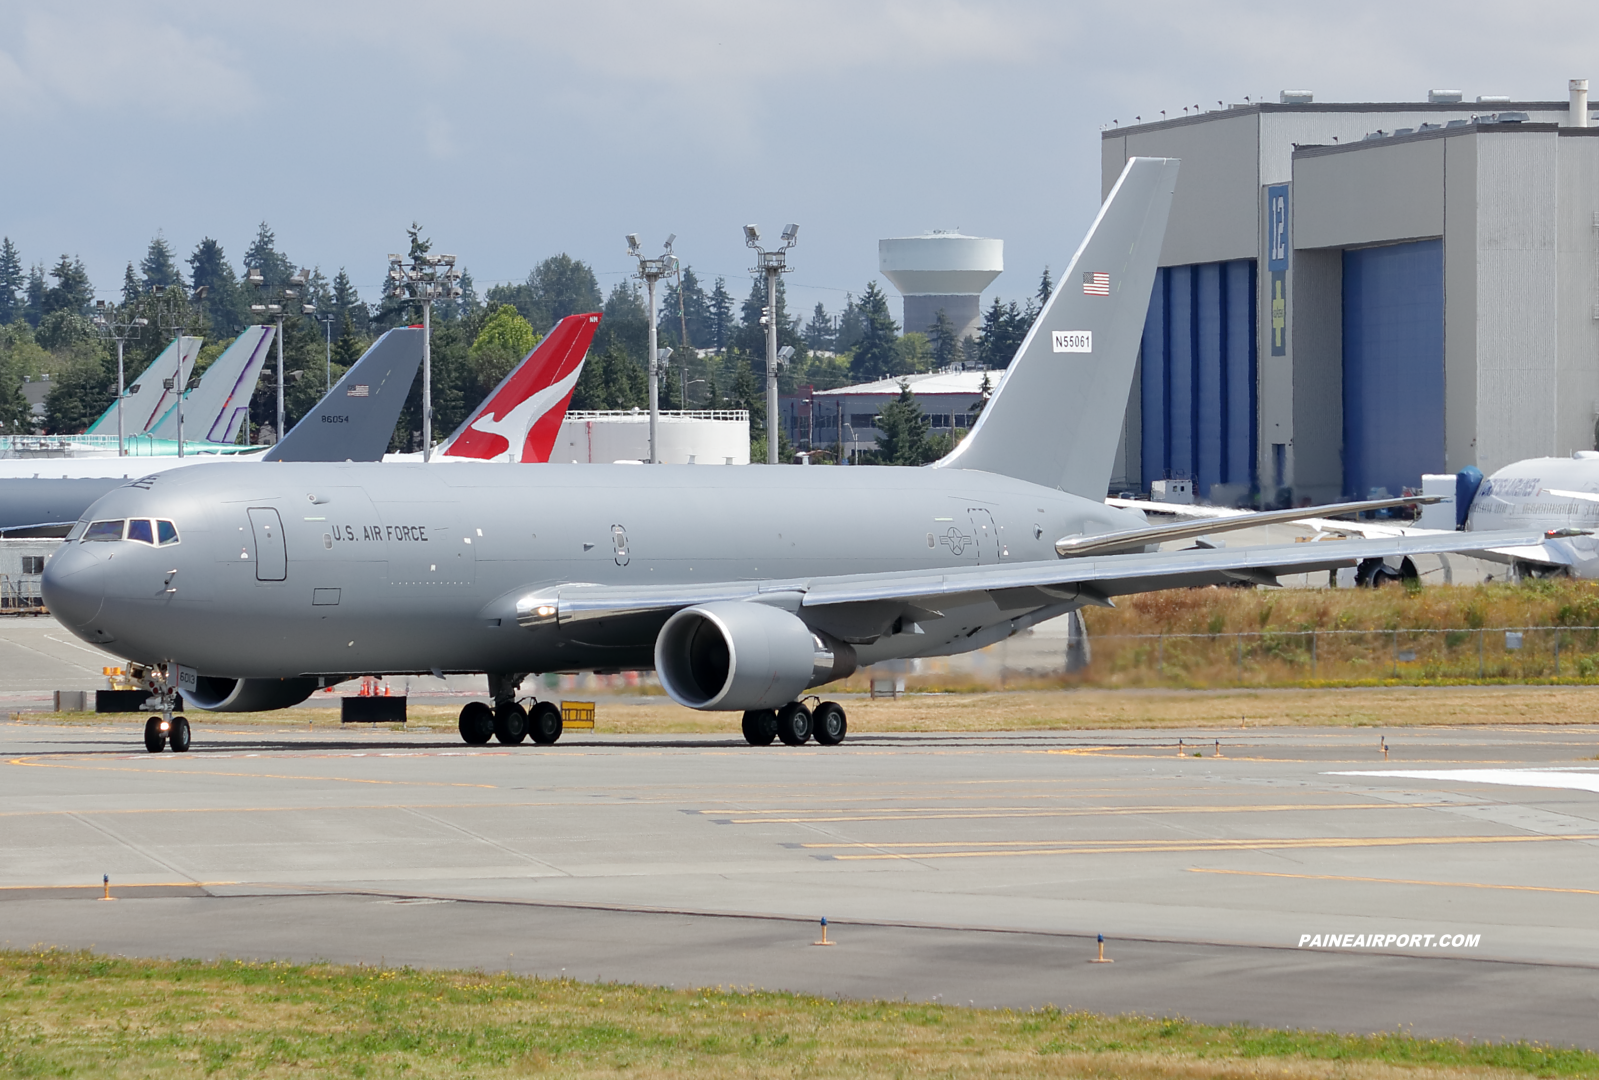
516,129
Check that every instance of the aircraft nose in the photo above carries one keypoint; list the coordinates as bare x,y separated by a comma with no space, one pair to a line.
73,585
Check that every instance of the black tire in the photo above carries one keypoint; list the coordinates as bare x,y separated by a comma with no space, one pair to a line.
544,723
828,723
510,723
794,724
760,727
155,740
179,736
477,723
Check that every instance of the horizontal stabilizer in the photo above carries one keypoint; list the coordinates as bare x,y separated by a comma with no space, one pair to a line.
355,420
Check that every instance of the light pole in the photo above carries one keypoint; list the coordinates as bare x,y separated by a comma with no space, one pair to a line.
177,317
327,321
426,279
653,270
772,263
276,310
117,326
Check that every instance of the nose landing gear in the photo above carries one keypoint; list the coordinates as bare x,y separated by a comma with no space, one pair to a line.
166,729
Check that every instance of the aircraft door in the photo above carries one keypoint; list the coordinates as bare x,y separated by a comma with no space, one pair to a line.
983,534
271,553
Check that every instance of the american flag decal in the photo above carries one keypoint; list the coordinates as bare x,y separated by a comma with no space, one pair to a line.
1095,283
361,389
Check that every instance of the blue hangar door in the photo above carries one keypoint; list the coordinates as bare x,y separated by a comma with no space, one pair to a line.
1393,366
1197,382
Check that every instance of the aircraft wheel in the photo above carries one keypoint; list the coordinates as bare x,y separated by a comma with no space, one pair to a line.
510,723
794,724
544,723
477,723
760,727
179,737
829,723
155,740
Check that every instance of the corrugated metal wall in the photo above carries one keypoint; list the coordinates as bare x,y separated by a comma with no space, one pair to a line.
1393,366
1198,375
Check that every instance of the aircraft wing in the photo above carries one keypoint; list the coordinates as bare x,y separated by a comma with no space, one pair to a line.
1092,580
1133,539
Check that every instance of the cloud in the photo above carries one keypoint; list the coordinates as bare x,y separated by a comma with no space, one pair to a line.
113,63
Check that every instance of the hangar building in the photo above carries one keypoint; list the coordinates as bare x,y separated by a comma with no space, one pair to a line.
1351,295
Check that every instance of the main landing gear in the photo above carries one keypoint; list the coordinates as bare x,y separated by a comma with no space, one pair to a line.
508,720
166,729
796,725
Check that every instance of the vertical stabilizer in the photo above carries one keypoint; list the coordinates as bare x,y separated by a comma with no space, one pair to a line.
1058,415
521,418
214,410
355,420
147,398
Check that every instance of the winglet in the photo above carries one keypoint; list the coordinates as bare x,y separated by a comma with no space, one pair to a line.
1057,417
523,414
355,420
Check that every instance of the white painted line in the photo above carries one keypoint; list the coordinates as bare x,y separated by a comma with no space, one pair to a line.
1538,778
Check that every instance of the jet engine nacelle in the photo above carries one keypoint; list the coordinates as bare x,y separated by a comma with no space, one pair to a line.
248,695
738,656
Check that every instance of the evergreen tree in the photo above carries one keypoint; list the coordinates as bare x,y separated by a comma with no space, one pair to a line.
851,326
626,324
263,255
12,282
469,303
79,393
903,431
820,331
875,354
686,309
34,311
720,311
946,348
1003,330
131,289
226,307
71,292
158,268
1046,288
346,303
348,346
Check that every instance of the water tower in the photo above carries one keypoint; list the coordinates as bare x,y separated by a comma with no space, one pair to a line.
941,270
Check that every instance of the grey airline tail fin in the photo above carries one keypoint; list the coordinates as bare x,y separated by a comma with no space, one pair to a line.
1058,415
355,420
215,409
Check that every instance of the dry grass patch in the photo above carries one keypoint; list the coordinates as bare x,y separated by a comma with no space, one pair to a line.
76,1014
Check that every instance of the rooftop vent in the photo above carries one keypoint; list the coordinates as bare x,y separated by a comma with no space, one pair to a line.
1378,134
1404,131
1457,123
1446,97
1503,118
1296,97
1492,99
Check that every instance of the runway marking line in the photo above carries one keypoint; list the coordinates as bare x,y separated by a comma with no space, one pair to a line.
938,813
1395,881
127,885
248,776
1134,847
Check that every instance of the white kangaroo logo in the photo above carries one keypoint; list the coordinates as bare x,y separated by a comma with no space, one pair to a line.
514,426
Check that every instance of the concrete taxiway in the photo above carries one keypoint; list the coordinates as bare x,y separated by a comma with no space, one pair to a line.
959,867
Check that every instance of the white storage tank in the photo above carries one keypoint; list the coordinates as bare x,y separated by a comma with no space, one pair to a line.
941,271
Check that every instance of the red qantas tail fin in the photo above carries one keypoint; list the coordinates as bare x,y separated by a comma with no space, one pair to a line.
520,419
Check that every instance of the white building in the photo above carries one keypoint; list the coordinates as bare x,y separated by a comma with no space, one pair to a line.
845,419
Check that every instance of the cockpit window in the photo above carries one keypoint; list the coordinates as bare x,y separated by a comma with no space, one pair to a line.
76,532
104,530
167,531
139,529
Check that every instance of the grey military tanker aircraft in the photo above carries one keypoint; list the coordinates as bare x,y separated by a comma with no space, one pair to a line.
742,588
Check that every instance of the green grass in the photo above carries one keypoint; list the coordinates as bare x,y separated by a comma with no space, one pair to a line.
66,1014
